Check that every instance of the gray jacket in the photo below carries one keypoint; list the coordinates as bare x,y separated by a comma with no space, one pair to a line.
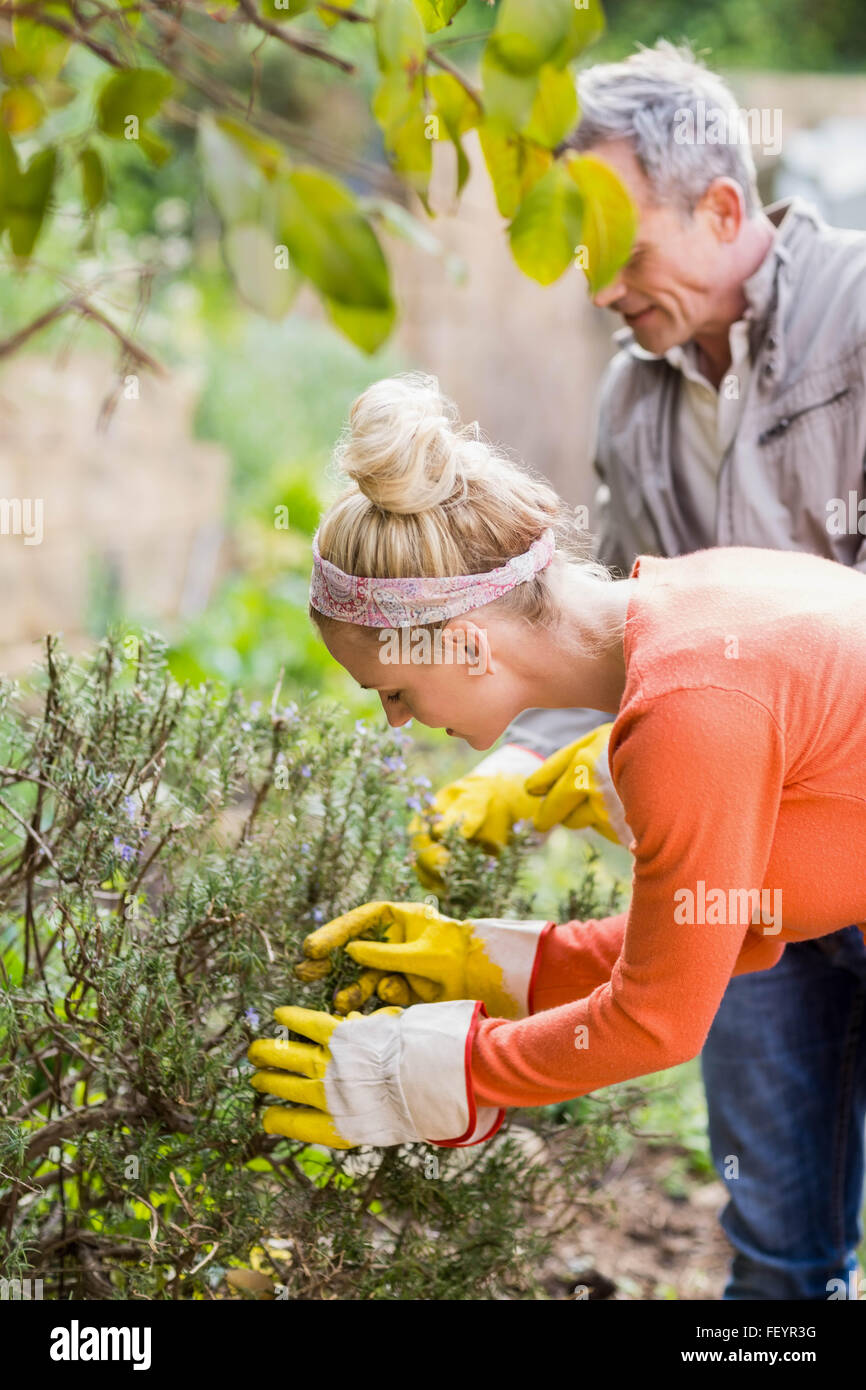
796,462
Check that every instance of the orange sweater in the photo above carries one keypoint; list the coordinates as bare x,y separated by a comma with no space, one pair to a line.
739,754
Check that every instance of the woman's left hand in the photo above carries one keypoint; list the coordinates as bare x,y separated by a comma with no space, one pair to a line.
391,1077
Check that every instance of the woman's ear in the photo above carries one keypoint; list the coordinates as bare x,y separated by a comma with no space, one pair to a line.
478,655
470,645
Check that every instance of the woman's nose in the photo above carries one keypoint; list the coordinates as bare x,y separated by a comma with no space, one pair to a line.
397,714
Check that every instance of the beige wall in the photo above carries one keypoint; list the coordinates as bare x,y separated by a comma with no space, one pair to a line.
142,497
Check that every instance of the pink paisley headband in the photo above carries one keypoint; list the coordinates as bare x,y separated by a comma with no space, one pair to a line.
371,602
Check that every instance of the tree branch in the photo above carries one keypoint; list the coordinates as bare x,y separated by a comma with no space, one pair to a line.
299,45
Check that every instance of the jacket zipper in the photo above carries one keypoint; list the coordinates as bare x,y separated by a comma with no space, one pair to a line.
786,420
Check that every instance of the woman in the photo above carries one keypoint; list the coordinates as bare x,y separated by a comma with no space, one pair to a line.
738,751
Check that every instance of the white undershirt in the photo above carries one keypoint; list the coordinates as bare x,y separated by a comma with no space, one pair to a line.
708,418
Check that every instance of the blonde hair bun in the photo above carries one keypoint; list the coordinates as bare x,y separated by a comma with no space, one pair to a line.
405,448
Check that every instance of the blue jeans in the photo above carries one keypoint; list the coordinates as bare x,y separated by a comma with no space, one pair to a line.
784,1068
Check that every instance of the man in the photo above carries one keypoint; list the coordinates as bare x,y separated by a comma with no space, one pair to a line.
733,414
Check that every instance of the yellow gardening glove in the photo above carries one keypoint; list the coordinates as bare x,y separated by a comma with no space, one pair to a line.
486,808
577,789
436,958
396,1076
296,1071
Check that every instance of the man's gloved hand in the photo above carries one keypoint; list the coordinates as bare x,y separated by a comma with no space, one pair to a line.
391,1077
487,803
577,789
439,958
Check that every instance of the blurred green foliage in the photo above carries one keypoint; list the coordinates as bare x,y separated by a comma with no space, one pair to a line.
778,35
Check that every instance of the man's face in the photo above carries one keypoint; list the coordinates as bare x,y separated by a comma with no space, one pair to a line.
672,287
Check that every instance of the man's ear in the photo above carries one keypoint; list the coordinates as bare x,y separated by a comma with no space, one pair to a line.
724,204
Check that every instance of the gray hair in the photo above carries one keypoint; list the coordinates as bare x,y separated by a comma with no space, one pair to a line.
659,99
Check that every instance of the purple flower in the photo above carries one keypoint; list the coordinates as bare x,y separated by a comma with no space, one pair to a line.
421,782
246,724
394,764
360,726
129,806
255,707
429,798
306,770
318,915
126,852
290,711
252,1018
305,848
413,803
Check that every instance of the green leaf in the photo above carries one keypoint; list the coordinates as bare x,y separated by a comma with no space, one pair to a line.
453,103
331,241
514,164
528,33
252,259
285,9
267,155
138,92
399,222
398,108
508,97
367,328
458,113
157,150
435,14
330,19
232,175
38,51
610,217
554,110
92,177
27,201
547,226
21,109
400,41
587,24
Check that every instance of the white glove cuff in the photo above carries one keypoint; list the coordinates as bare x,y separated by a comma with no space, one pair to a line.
511,760
612,803
515,947
406,1078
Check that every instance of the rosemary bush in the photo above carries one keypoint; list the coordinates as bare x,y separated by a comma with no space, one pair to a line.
163,851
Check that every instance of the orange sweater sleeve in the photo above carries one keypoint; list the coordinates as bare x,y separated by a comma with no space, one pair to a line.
575,957
700,775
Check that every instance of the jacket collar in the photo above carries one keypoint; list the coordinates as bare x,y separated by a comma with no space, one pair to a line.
787,216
